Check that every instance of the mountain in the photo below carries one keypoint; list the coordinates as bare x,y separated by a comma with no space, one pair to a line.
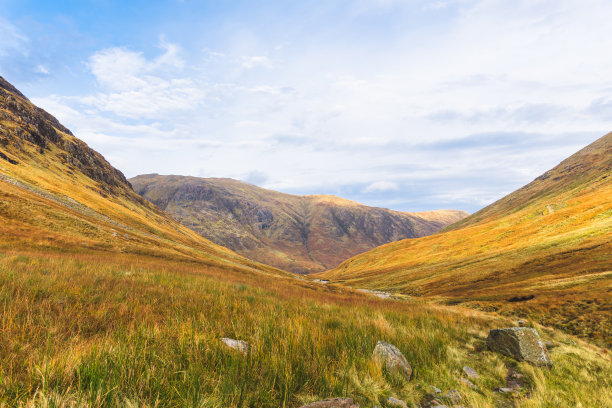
297,233
106,301
57,193
543,251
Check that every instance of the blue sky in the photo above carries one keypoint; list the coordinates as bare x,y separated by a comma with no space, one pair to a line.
411,105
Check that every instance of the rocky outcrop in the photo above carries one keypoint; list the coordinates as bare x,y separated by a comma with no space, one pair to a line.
392,358
301,234
520,343
333,403
25,128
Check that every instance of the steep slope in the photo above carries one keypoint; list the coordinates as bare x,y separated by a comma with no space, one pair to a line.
58,194
544,250
297,233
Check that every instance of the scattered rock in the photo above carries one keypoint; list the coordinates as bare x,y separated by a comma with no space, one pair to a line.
522,323
323,281
435,390
467,382
470,372
453,396
506,390
394,402
513,380
333,403
392,358
240,345
520,343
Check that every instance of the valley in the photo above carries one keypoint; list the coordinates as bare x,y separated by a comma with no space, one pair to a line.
107,301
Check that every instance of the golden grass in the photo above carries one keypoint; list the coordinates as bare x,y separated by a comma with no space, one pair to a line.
125,330
516,248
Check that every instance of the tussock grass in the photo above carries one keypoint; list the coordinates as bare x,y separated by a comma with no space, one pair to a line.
85,331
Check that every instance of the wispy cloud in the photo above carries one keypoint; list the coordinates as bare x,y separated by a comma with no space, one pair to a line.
414,103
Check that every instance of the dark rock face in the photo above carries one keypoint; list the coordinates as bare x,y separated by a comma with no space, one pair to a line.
333,403
22,123
520,343
297,233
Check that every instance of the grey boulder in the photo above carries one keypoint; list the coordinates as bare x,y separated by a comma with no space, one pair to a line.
520,343
388,355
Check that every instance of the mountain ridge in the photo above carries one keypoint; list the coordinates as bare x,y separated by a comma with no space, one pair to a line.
546,246
66,196
291,232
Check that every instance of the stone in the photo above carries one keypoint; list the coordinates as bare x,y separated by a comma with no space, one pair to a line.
522,323
467,382
470,372
239,345
506,390
453,396
390,356
520,343
333,403
394,402
435,390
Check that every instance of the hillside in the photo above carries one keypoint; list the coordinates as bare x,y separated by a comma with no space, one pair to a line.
58,194
297,233
107,302
544,251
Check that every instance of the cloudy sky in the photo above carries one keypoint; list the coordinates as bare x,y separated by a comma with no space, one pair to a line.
406,104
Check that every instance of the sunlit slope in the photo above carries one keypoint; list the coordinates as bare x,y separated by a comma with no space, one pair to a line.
550,240
297,233
57,193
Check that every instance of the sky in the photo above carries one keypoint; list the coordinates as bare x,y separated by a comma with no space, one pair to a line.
405,104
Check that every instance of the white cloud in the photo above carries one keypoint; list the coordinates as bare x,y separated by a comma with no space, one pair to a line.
381,187
256,61
11,38
473,104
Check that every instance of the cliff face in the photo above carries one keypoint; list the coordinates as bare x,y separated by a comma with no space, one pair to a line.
23,124
297,233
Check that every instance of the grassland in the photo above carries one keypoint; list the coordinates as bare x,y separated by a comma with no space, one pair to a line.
543,252
105,301
100,330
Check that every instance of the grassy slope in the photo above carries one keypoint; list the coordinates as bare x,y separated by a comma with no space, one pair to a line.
552,239
57,194
137,331
93,319
296,233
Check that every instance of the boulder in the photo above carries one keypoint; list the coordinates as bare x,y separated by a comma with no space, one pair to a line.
394,402
453,396
520,343
333,403
470,372
390,356
239,345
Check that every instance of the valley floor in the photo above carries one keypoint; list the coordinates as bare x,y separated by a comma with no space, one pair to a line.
100,329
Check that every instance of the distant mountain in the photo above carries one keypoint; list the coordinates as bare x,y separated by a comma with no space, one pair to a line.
297,233
57,193
543,251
